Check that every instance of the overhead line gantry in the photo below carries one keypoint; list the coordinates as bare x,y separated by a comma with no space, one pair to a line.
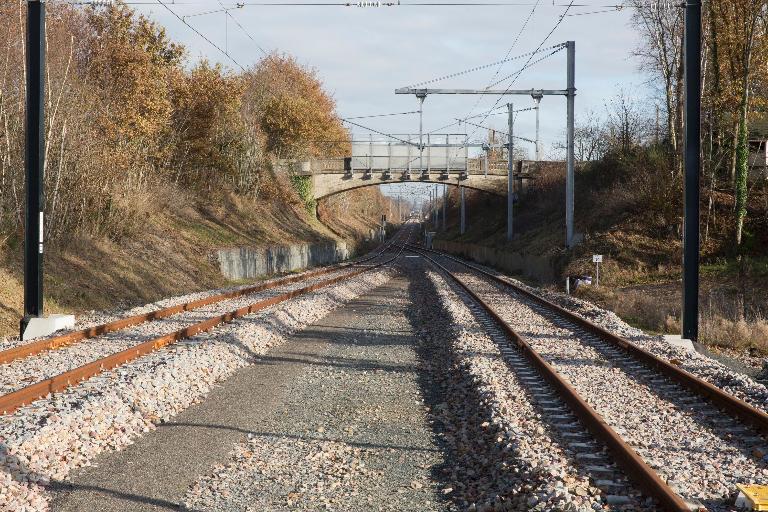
569,92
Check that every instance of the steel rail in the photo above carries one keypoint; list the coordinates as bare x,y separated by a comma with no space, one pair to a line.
70,338
746,412
636,468
12,401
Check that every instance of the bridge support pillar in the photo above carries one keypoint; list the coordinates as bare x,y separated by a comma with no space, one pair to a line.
434,207
463,209
445,202
510,171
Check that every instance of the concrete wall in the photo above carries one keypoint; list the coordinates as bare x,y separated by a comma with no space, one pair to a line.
541,268
251,262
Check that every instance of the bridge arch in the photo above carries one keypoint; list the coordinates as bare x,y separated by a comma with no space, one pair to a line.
327,185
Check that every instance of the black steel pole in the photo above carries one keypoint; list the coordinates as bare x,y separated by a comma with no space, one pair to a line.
692,169
34,158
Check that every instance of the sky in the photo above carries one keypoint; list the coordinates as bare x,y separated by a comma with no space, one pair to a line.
364,54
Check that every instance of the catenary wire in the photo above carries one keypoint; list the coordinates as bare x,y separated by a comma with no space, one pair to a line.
388,135
384,115
514,44
488,112
478,68
546,38
201,35
248,34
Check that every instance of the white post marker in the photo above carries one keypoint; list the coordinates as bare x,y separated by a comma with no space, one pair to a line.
597,259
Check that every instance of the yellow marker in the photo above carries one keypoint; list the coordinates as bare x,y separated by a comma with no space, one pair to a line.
755,496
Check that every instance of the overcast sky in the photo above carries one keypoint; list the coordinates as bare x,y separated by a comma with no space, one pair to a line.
364,54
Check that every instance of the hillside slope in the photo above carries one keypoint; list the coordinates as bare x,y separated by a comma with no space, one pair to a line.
173,251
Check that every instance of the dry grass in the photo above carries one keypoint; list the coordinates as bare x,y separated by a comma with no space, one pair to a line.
634,307
725,322
166,249
356,214
741,334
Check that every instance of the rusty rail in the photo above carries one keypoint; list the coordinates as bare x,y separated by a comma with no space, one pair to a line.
16,399
636,468
746,412
70,338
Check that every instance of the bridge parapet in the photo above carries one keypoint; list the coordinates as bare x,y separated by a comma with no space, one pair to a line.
343,165
333,175
528,169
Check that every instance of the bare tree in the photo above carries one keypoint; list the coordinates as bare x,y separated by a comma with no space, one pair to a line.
590,138
660,53
628,124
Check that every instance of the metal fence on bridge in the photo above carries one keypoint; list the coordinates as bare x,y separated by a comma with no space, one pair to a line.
442,152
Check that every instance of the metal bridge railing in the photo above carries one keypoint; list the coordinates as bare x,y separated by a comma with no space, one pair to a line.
345,165
525,169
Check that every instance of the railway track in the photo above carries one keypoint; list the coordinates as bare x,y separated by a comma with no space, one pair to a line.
619,408
37,369
23,350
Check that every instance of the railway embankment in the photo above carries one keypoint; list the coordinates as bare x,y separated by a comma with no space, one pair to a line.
538,267
176,250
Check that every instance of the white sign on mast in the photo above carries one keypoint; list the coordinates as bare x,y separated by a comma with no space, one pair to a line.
597,259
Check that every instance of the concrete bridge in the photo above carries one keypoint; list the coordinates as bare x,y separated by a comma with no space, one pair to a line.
332,176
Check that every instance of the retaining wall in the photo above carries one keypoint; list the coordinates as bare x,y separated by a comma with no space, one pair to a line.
252,262
541,268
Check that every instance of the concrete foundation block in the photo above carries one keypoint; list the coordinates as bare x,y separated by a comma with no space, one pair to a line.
678,341
45,326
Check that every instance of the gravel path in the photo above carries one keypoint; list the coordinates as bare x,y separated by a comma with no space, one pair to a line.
53,436
158,469
701,459
353,434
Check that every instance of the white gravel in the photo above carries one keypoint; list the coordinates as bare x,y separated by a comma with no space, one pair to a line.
532,471
738,384
320,472
55,435
699,460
